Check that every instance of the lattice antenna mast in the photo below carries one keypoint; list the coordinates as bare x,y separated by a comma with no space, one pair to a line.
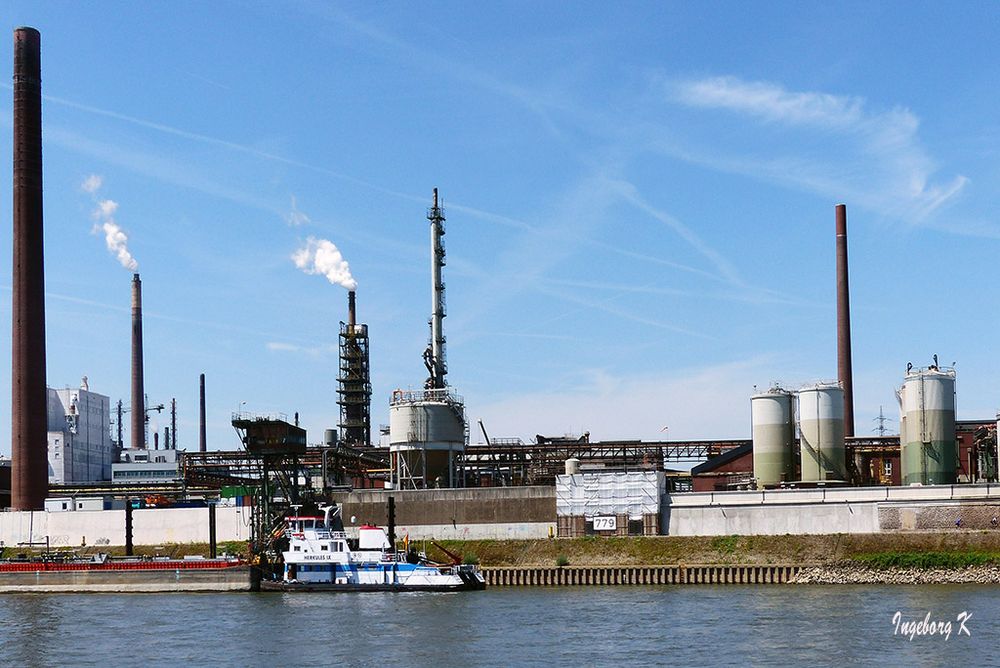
881,429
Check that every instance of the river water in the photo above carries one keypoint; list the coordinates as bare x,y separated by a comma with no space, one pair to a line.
577,626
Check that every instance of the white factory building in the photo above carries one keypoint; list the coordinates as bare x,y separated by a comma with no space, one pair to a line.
80,445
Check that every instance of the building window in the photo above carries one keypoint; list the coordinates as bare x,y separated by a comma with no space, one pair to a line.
887,468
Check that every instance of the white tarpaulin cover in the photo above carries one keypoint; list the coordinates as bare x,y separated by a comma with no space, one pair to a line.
632,493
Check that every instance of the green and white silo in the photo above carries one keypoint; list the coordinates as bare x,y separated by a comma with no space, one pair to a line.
821,433
772,415
929,450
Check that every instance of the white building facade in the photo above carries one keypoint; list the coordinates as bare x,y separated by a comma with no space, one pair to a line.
146,466
80,445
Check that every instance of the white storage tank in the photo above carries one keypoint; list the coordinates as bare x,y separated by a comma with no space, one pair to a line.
572,466
772,415
929,450
821,433
427,434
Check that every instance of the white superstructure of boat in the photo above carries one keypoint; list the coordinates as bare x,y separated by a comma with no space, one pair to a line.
320,558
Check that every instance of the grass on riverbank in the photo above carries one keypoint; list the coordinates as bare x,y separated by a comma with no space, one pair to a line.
925,550
733,550
926,560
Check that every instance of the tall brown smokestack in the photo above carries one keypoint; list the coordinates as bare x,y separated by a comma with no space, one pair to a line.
138,393
844,372
351,310
201,419
29,395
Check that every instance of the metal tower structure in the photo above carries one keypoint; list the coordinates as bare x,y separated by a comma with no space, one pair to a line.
434,356
274,450
354,383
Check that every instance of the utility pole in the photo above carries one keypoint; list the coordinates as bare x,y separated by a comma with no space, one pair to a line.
173,425
120,442
145,422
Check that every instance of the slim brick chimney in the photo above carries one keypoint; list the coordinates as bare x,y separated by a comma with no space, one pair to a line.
201,418
844,371
138,391
29,394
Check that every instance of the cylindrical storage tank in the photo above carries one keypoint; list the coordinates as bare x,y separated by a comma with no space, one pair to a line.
572,466
772,415
997,451
821,433
900,394
426,437
329,437
929,453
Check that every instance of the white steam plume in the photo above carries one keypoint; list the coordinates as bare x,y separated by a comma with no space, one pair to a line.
320,256
92,183
104,213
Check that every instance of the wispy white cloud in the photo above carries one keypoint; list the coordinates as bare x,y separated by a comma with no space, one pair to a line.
704,402
773,103
610,307
748,295
311,351
296,218
876,160
726,268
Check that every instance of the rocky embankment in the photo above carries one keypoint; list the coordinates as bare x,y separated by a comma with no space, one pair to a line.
856,574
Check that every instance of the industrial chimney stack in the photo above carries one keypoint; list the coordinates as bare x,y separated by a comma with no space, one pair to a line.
138,393
844,371
29,395
352,314
434,357
201,417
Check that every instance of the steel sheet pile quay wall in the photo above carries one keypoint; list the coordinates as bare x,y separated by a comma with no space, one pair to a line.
773,417
632,496
638,575
927,426
821,431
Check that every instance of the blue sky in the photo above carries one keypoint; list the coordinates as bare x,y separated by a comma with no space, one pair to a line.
640,203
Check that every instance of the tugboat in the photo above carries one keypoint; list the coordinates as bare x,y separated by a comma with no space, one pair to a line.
321,557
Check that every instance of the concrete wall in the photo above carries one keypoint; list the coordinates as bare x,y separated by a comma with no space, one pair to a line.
530,512
451,507
826,511
474,513
505,531
107,527
770,520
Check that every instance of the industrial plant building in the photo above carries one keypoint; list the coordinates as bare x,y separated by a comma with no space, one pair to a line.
79,437
802,442
147,467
